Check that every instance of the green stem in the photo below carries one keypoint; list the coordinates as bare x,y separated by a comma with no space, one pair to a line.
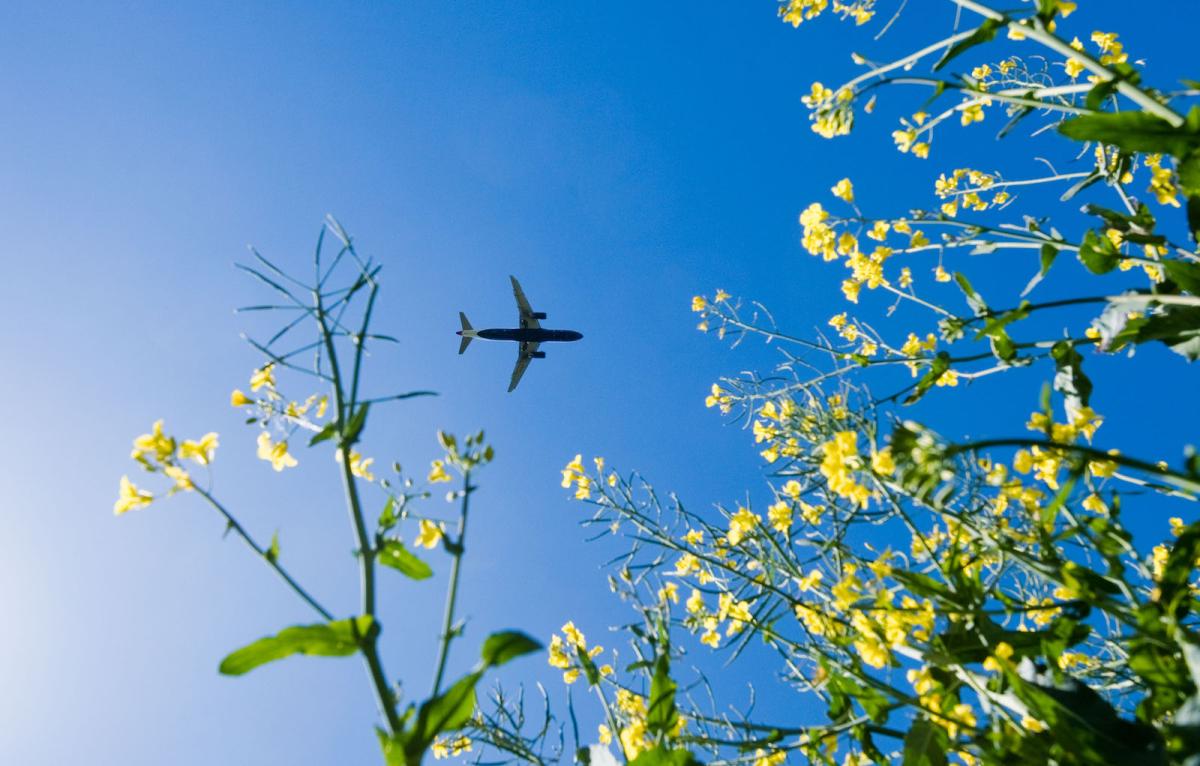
1036,33
457,550
262,552
366,551
1184,482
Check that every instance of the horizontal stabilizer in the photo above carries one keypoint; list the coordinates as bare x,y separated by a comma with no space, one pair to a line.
466,327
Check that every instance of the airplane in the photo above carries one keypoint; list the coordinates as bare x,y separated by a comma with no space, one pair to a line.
530,334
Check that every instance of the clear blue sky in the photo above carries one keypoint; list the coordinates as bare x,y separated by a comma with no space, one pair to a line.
618,158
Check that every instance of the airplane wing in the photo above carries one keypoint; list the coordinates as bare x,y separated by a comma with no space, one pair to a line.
524,357
528,320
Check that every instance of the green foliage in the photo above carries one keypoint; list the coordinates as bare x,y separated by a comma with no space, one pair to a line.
339,638
392,553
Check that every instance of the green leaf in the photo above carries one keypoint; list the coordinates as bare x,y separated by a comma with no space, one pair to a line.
272,553
1133,132
937,367
325,433
335,639
355,426
974,299
393,554
662,715
1069,379
925,744
1184,274
661,756
503,646
388,517
984,33
449,711
1188,170
1176,326
1098,253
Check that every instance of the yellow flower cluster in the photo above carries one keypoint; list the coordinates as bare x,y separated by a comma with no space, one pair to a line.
566,655
1161,181
445,748
796,12
574,474
156,451
906,137
831,114
719,398
1112,52
840,461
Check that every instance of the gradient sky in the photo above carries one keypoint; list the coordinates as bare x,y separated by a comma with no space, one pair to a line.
618,158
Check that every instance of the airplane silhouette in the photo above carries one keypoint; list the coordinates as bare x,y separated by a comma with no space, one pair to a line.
530,334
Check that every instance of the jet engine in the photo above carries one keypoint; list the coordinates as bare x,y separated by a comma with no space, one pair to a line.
538,355
539,315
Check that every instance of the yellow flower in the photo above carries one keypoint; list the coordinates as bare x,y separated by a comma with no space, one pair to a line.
699,303
918,239
882,462
156,441
973,112
358,466
669,592
940,274
276,454
183,481
721,296
773,758
238,399
694,537
131,497
695,602
558,657
780,516
905,277
843,190
604,734
429,534
741,524
201,451
443,748
437,472
263,376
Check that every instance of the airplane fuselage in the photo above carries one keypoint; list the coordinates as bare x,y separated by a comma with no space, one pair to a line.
527,335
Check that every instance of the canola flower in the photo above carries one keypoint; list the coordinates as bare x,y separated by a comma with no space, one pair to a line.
276,453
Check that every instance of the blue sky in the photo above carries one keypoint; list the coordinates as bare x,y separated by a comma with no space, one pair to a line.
618,158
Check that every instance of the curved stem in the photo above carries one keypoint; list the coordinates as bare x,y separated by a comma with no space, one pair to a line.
272,562
1182,481
457,550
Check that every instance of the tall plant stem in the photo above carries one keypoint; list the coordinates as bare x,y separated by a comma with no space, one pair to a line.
457,550
369,645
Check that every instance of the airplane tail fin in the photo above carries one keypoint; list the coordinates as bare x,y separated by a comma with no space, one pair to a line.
466,326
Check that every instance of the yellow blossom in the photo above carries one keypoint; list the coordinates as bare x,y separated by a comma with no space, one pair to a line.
276,454
201,451
429,534
699,303
130,497
741,524
238,399
669,592
263,376
844,190
437,472
780,516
